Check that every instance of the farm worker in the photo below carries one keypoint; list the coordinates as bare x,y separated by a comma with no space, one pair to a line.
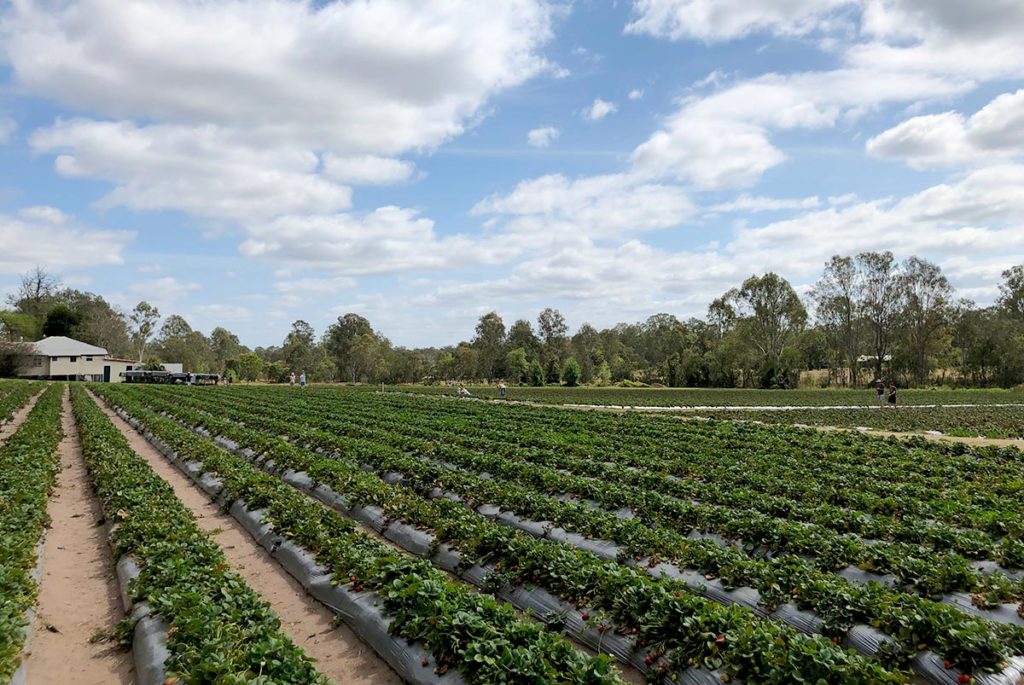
892,396
291,379
880,389
302,378
501,389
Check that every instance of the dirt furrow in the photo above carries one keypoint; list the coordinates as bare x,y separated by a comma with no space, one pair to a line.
338,652
78,605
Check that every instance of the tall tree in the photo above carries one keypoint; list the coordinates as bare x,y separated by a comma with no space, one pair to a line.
1011,291
249,366
226,347
35,293
516,365
61,320
521,335
586,347
926,306
490,343
339,339
143,319
838,298
880,302
772,313
553,330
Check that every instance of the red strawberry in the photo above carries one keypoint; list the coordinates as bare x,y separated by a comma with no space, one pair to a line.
585,616
425,663
964,678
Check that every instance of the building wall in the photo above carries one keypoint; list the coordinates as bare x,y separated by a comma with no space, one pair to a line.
36,365
81,366
87,368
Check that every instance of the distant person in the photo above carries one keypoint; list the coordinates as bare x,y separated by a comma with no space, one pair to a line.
880,389
302,379
291,379
501,390
892,396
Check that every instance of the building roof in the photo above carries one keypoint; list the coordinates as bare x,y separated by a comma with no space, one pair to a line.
61,346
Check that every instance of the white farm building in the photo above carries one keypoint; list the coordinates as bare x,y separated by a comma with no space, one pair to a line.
65,359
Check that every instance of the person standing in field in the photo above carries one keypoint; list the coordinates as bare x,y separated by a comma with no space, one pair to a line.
880,389
291,379
302,379
501,390
892,396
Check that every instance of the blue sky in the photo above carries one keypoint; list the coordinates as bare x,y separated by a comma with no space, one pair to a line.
247,164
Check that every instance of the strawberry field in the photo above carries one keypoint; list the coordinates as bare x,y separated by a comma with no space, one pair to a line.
724,397
489,543
710,551
981,421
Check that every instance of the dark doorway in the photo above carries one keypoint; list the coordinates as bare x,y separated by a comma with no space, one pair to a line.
106,374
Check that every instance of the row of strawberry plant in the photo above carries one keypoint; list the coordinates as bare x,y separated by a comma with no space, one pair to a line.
631,426
724,397
431,437
990,422
13,396
28,473
482,638
644,472
975,488
926,570
662,615
220,629
840,604
665,437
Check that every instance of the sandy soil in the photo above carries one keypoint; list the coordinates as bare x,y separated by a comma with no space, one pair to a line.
338,652
8,429
78,596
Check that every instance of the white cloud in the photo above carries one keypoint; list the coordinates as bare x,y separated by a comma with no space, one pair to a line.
599,109
993,132
164,293
386,240
974,226
749,203
47,237
7,127
212,315
296,292
373,77
367,169
542,137
723,140
636,94
595,206
719,20
977,40
44,213
201,170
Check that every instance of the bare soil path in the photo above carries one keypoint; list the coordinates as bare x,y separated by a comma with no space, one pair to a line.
339,653
10,427
78,595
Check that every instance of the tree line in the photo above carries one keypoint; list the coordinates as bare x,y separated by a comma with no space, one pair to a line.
867,317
